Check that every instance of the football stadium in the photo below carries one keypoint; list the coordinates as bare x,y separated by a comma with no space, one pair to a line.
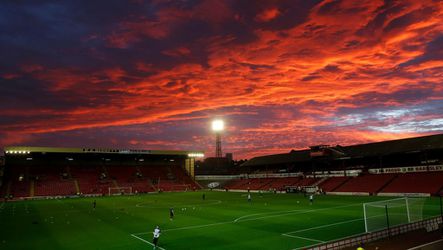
324,197
221,124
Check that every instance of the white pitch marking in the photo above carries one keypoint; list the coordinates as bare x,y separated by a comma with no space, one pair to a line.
284,213
147,241
214,202
278,212
323,226
252,219
189,227
197,226
304,238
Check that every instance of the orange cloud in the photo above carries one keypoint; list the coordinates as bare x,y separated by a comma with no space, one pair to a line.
317,81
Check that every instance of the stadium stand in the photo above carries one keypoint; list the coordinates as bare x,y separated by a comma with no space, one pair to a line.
278,184
249,184
237,184
93,180
130,176
183,178
370,183
281,183
421,182
424,182
71,171
307,182
19,188
17,184
332,183
88,180
387,167
162,178
48,181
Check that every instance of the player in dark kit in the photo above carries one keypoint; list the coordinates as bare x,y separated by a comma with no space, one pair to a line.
94,204
171,213
203,196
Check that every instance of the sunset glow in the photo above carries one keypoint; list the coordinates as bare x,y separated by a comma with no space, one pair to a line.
283,74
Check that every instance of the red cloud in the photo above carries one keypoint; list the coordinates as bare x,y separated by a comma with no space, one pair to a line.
29,68
346,55
9,76
267,15
177,52
168,20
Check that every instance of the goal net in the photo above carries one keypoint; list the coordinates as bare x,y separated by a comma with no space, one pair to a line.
383,214
310,189
120,190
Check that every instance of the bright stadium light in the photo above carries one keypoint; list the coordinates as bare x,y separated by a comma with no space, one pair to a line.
196,155
218,125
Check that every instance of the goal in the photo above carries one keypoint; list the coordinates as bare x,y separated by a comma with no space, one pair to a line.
379,215
119,190
310,189
301,189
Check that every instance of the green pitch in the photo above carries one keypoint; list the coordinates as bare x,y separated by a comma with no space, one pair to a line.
221,221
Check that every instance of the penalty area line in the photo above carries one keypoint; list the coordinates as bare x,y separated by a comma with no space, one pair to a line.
146,241
303,238
323,226
272,215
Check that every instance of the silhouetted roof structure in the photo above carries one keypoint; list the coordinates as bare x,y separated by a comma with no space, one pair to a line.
278,159
399,146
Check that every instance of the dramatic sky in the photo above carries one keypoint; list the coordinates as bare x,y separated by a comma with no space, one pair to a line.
282,74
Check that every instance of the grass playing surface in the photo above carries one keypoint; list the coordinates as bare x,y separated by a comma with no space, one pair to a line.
222,221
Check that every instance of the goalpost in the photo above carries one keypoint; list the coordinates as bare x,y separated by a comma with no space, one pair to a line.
379,215
119,190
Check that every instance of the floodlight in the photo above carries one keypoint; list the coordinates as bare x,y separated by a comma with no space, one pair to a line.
196,155
218,125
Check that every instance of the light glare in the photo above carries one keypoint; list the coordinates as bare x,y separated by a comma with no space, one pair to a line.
218,125
196,155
